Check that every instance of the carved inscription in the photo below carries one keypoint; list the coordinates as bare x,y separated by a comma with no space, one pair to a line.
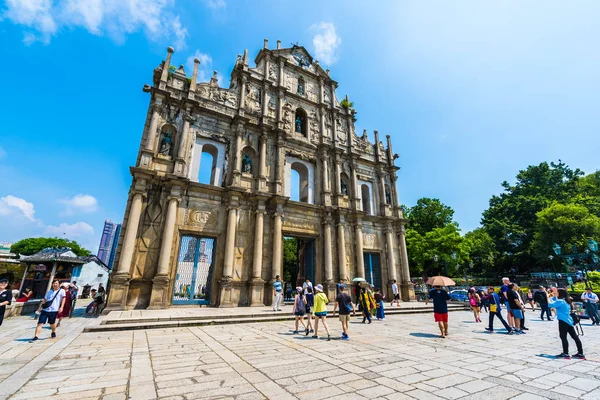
298,225
200,219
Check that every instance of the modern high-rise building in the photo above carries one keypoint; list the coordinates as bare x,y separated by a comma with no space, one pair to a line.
108,242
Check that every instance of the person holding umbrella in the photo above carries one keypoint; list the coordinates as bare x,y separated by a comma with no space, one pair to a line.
440,302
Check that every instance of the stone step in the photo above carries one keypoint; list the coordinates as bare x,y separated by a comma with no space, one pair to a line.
177,322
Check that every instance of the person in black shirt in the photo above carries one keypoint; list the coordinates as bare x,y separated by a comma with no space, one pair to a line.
440,308
517,308
541,297
5,298
344,301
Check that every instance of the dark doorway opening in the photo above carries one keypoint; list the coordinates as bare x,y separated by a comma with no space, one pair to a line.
373,269
298,260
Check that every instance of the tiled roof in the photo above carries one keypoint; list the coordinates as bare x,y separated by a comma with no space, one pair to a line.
64,255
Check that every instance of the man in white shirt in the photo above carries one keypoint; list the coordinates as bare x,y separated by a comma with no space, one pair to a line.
56,298
396,298
590,300
307,284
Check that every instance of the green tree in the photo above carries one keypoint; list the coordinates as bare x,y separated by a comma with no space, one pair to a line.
482,252
290,260
428,214
589,193
512,216
441,242
31,246
565,224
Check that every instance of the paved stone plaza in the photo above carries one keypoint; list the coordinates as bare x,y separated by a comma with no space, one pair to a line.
400,358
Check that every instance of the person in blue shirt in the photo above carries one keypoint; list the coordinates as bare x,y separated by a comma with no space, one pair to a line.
277,294
495,311
561,302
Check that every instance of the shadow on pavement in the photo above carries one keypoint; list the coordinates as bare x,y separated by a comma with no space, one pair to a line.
424,335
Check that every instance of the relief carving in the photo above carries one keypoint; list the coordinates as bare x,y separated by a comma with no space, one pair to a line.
370,240
273,72
306,226
200,219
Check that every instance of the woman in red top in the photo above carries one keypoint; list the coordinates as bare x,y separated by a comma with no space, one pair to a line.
26,296
68,303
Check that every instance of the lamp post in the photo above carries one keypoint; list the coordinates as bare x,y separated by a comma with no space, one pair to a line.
551,257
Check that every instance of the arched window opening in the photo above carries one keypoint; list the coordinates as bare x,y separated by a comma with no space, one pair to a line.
299,183
388,195
300,122
208,164
344,184
249,161
167,139
366,199
301,86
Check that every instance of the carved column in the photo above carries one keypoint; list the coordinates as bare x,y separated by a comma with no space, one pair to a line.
327,250
148,152
279,164
262,166
355,190
341,240
164,76
257,283
185,132
160,283
281,73
237,167
407,289
243,92
276,263
117,298
325,174
338,175
228,259
389,239
360,261
280,114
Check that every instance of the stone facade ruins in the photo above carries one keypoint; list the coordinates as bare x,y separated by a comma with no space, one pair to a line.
213,196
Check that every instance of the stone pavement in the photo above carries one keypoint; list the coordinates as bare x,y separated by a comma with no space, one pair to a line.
399,358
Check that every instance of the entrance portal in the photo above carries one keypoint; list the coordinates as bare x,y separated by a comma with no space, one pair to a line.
298,260
373,269
194,270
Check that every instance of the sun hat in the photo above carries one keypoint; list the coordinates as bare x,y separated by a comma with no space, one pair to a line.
298,289
319,288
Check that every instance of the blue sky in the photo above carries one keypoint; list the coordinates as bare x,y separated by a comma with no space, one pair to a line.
470,91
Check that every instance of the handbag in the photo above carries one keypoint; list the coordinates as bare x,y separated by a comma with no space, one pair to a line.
49,303
493,308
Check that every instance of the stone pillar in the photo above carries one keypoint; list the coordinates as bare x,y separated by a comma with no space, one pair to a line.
237,157
24,276
226,280
193,82
257,284
262,164
389,240
160,283
52,274
243,92
341,240
277,239
355,190
164,76
338,175
325,174
185,132
327,250
151,134
281,74
360,261
407,289
117,297
279,164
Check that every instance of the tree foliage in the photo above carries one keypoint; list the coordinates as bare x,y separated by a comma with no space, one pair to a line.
482,252
428,214
290,260
31,246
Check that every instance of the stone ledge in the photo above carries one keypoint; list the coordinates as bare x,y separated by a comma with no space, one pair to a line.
15,309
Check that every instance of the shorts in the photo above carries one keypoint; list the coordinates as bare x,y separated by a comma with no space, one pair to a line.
48,316
397,296
299,314
321,314
308,310
345,317
440,317
517,313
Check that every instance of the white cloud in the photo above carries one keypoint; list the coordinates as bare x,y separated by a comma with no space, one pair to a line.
326,42
2,153
215,4
115,18
9,205
74,230
82,203
205,67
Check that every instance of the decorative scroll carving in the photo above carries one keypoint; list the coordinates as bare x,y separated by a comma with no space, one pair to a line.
300,225
200,219
273,72
370,240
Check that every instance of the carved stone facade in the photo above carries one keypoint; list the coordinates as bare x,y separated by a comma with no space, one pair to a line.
212,195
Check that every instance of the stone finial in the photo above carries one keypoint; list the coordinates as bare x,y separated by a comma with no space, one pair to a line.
317,62
327,72
194,75
245,59
165,72
266,44
278,44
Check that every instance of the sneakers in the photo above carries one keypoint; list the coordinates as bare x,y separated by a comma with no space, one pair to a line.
315,337
345,337
579,356
519,332
564,355
53,335
306,331
511,332
295,332
328,337
311,331
34,339
489,330
525,329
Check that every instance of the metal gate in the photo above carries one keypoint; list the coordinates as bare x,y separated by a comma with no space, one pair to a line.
194,270
373,269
